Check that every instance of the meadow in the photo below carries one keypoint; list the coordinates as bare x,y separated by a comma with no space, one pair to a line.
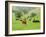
17,24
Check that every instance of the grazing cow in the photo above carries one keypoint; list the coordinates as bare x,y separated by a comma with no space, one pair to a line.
23,21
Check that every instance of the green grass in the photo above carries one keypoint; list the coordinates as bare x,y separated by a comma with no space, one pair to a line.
16,25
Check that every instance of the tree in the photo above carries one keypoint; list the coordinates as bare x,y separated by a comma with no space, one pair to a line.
32,15
18,14
25,11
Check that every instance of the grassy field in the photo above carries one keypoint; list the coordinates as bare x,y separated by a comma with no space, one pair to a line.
16,25
24,12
